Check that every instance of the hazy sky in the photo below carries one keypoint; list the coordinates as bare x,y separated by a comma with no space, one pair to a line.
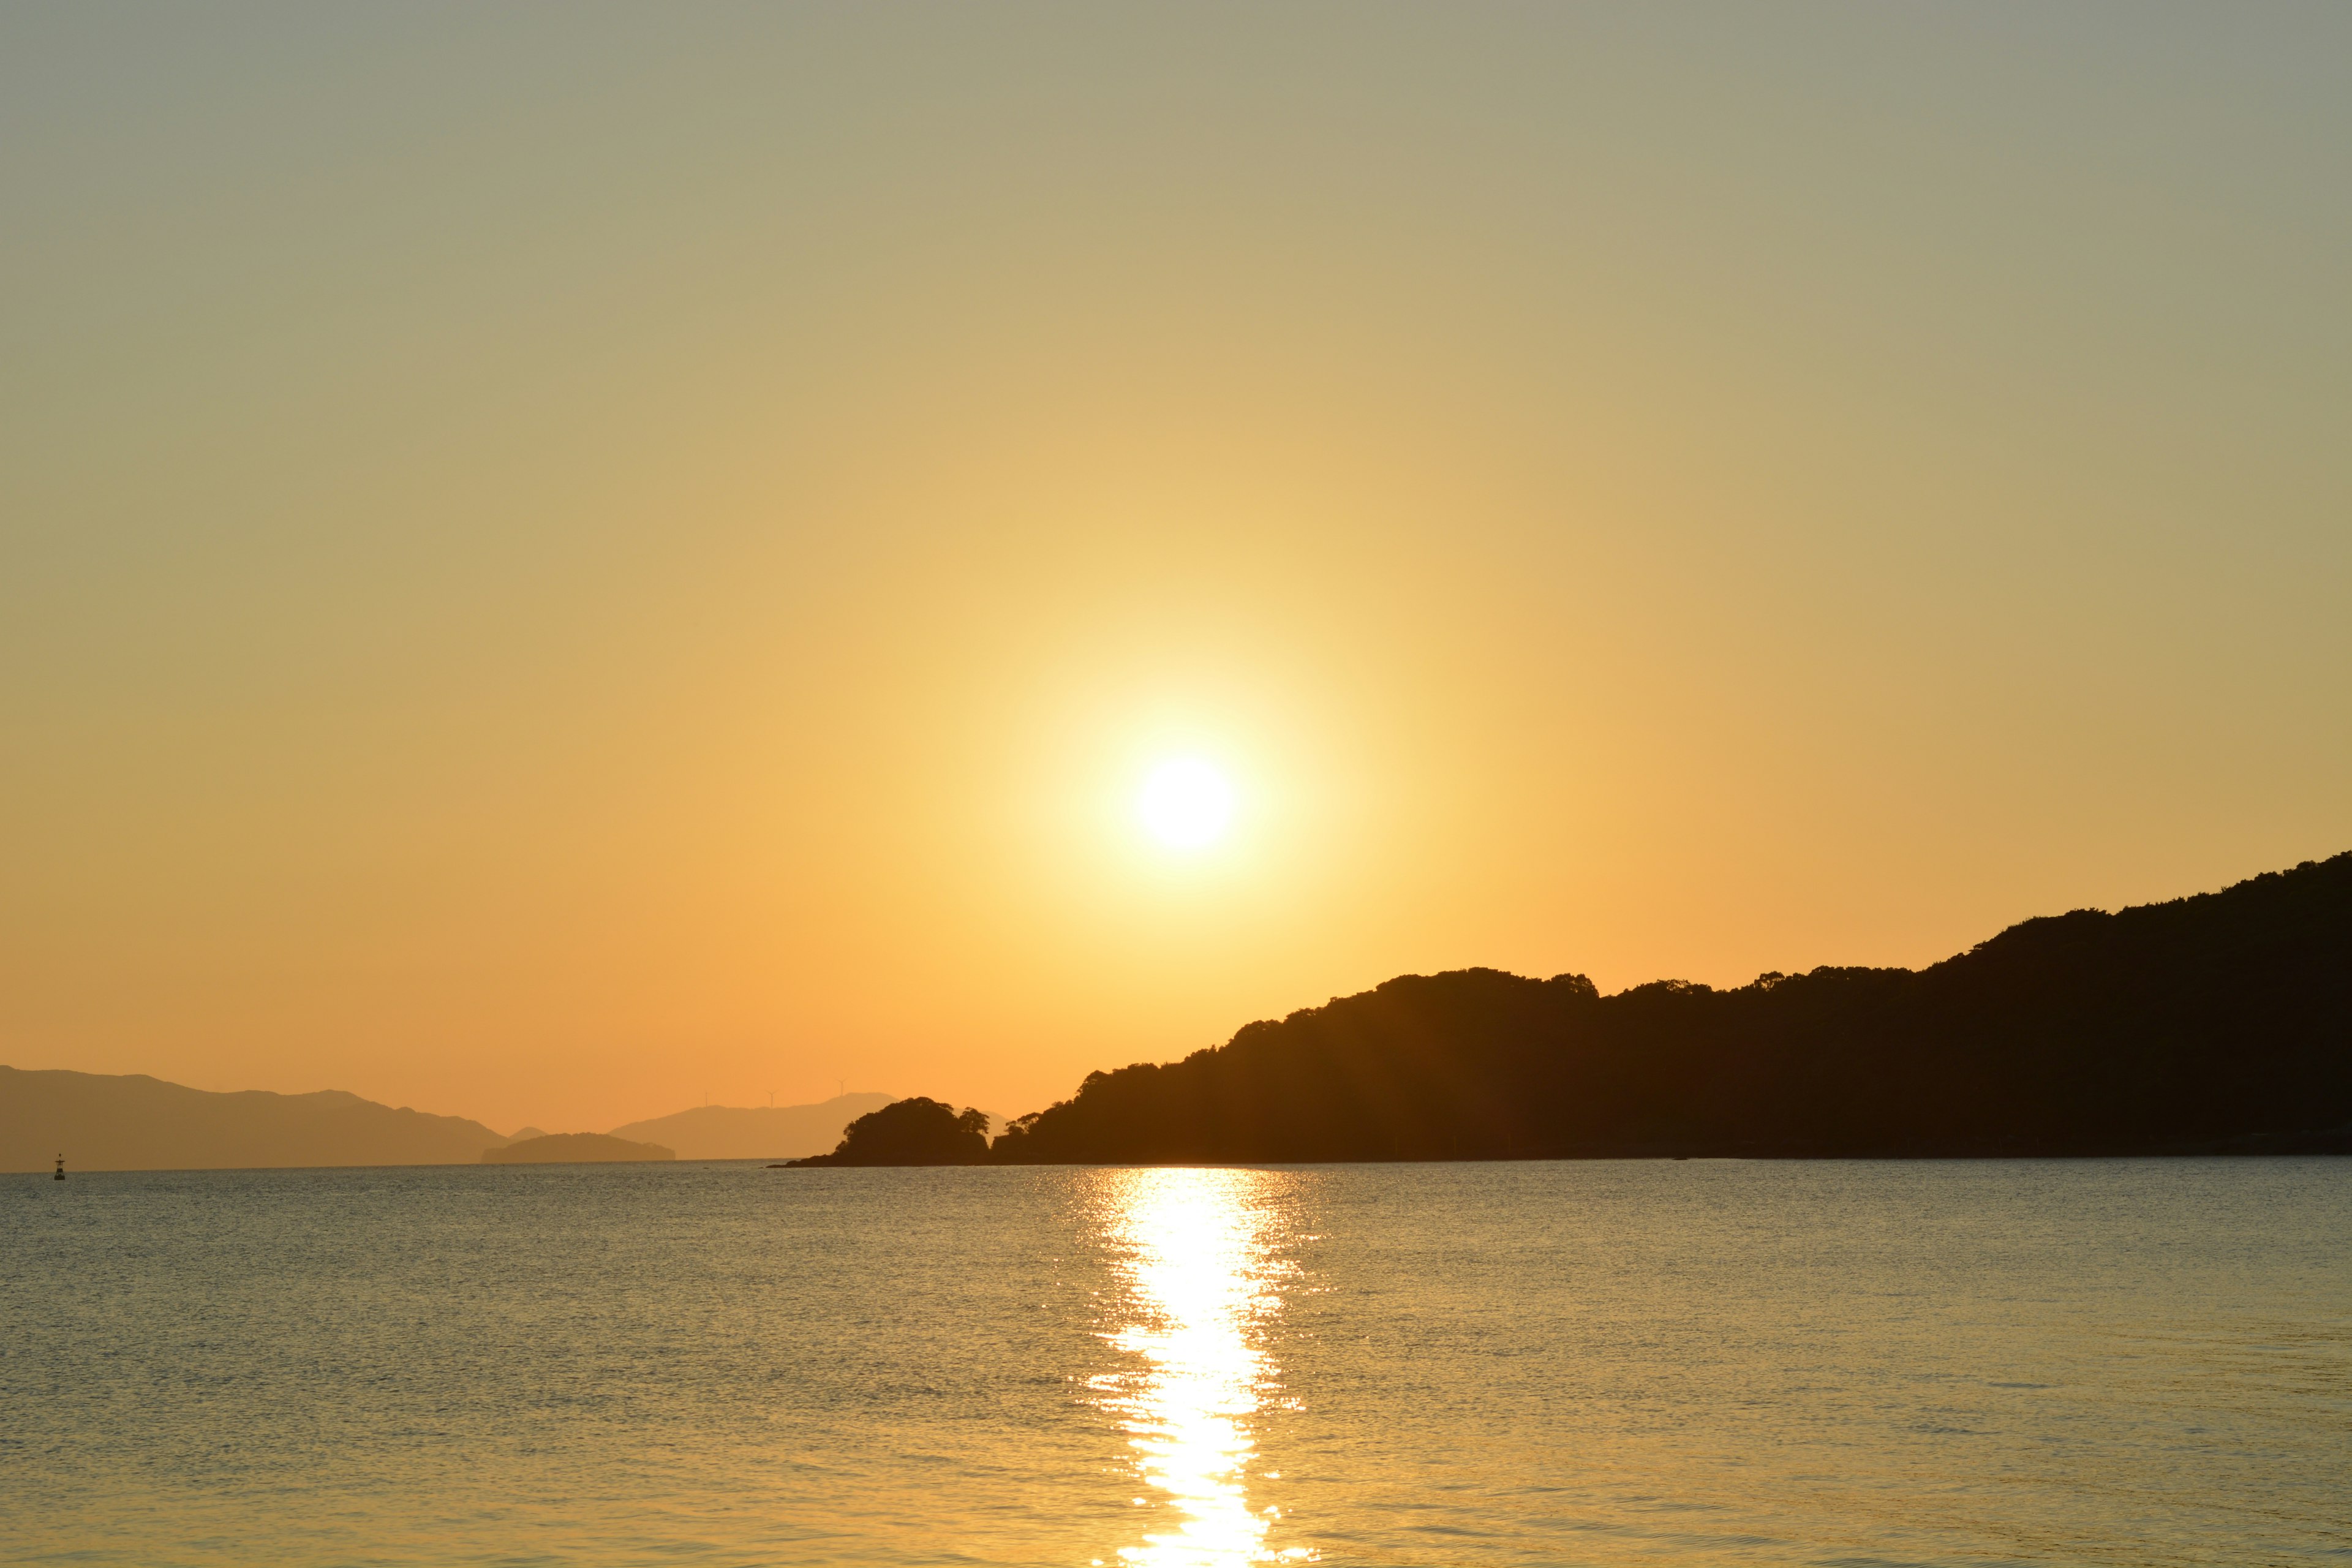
558,560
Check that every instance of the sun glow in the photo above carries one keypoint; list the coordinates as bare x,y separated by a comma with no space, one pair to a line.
1185,803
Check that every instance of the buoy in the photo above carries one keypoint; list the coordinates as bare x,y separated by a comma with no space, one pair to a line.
61,1168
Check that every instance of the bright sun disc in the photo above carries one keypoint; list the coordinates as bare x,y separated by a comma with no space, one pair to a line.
1186,804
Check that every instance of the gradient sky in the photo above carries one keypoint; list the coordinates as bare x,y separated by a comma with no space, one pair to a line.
558,559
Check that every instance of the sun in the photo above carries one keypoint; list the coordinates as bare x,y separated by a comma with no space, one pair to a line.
1185,803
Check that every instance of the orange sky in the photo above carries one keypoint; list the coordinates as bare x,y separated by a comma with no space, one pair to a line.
555,562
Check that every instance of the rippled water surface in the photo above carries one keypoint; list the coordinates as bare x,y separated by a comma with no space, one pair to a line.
2130,1362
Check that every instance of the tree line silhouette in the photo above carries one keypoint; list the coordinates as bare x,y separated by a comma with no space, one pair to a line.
915,1131
2219,1022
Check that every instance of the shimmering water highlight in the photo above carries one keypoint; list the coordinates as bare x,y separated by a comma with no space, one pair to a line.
2115,1363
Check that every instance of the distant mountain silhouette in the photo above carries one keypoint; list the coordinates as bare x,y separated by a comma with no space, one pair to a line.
755,1132
2220,1023
103,1123
574,1149
107,1123
915,1132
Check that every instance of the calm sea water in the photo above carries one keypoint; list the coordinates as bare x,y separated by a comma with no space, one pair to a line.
2141,1363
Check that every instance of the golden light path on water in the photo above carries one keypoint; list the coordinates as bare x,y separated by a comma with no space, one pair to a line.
1195,1252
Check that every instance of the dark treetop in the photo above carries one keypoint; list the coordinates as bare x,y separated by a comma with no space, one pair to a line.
2221,1022
915,1132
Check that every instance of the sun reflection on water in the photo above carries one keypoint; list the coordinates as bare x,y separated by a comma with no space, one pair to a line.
1196,1253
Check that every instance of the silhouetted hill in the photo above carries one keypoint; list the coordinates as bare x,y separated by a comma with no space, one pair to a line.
102,1122
2218,1023
574,1149
755,1132
915,1132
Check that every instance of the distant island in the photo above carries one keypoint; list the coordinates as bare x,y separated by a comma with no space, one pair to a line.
754,1132
103,1121
2218,1024
574,1149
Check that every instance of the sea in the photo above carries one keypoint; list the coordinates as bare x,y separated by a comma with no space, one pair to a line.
2127,1361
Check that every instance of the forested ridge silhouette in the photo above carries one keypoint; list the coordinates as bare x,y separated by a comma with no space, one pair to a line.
2213,1024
